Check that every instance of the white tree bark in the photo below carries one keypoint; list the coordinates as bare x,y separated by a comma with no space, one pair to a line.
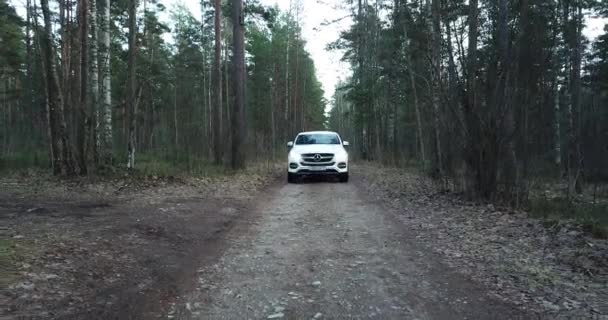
94,75
105,113
557,145
556,127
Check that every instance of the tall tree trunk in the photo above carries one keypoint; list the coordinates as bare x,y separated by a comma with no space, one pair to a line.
227,118
302,105
94,83
273,106
83,120
286,115
175,122
473,134
205,145
64,19
55,99
454,85
131,83
435,29
105,114
410,71
503,106
28,53
418,119
217,88
575,157
296,90
557,141
238,116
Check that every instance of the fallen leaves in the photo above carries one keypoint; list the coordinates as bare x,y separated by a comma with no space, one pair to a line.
558,270
92,242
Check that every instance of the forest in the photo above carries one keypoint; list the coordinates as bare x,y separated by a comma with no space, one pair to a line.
489,96
92,85
143,148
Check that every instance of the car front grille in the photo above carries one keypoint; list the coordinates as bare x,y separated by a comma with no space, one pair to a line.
317,157
317,164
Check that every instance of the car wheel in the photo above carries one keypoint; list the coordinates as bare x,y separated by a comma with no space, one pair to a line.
344,177
291,178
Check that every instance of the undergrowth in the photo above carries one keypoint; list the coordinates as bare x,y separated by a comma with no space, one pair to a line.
23,160
592,217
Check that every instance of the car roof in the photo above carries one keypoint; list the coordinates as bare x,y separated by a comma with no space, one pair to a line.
317,132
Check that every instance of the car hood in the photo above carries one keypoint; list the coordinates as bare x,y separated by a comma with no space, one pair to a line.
317,148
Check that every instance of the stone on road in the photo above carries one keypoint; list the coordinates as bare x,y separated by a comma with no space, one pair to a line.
325,250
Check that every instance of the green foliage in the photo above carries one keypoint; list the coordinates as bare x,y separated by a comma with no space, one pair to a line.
174,85
592,216
412,94
12,48
272,82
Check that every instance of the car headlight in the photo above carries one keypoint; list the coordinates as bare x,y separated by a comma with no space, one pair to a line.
342,156
294,157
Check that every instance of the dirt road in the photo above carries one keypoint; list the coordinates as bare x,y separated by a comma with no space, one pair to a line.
328,251
387,245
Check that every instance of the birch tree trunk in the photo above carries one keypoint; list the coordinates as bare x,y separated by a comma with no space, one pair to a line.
557,148
105,114
94,83
557,145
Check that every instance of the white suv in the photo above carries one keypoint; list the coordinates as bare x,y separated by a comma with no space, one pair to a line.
317,153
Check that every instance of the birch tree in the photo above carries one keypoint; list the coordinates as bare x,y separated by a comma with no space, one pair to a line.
94,109
105,77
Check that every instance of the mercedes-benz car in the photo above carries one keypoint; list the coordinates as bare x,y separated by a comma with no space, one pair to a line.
317,153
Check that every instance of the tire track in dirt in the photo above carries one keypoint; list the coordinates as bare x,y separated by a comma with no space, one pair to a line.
326,250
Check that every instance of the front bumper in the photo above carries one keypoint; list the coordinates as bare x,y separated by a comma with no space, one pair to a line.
304,169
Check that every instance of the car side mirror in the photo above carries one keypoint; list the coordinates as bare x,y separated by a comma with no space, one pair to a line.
289,144
345,143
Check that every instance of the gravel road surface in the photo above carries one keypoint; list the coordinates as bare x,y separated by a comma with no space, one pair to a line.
325,250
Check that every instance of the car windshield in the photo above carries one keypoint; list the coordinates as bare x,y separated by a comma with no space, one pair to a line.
320,138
